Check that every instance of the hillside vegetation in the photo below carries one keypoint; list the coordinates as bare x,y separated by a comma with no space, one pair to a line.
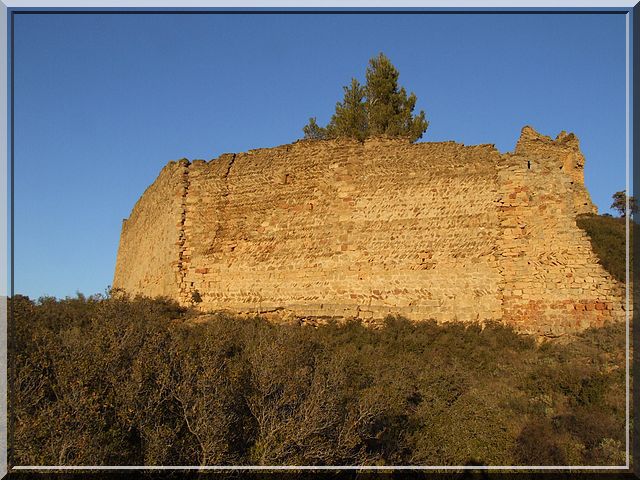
117,381
608,240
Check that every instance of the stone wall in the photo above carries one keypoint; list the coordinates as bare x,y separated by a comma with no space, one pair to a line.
149,240
346,229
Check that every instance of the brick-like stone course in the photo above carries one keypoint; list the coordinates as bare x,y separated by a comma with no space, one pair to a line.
340,228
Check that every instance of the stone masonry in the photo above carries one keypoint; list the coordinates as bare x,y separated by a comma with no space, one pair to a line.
339,228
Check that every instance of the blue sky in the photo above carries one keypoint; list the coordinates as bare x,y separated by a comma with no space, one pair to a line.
103,102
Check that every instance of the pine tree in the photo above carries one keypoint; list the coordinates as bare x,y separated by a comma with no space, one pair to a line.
313,131
390,111
378,108
350,118
620,203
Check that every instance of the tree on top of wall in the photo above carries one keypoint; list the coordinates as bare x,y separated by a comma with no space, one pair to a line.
380,107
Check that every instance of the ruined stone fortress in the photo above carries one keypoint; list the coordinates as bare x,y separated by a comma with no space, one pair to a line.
340,228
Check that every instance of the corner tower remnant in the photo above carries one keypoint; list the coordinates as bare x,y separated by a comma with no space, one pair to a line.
339,228
563,153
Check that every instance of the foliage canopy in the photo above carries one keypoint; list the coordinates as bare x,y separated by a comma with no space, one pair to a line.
620,203
380,107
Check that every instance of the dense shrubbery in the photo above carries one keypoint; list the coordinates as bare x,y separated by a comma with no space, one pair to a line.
608,240
119,381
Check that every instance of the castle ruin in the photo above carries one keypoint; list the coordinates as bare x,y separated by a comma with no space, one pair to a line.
340,228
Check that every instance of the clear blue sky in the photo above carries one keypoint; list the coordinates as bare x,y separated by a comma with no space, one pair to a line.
103,102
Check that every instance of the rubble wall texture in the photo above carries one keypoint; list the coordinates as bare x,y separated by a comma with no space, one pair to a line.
340,228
